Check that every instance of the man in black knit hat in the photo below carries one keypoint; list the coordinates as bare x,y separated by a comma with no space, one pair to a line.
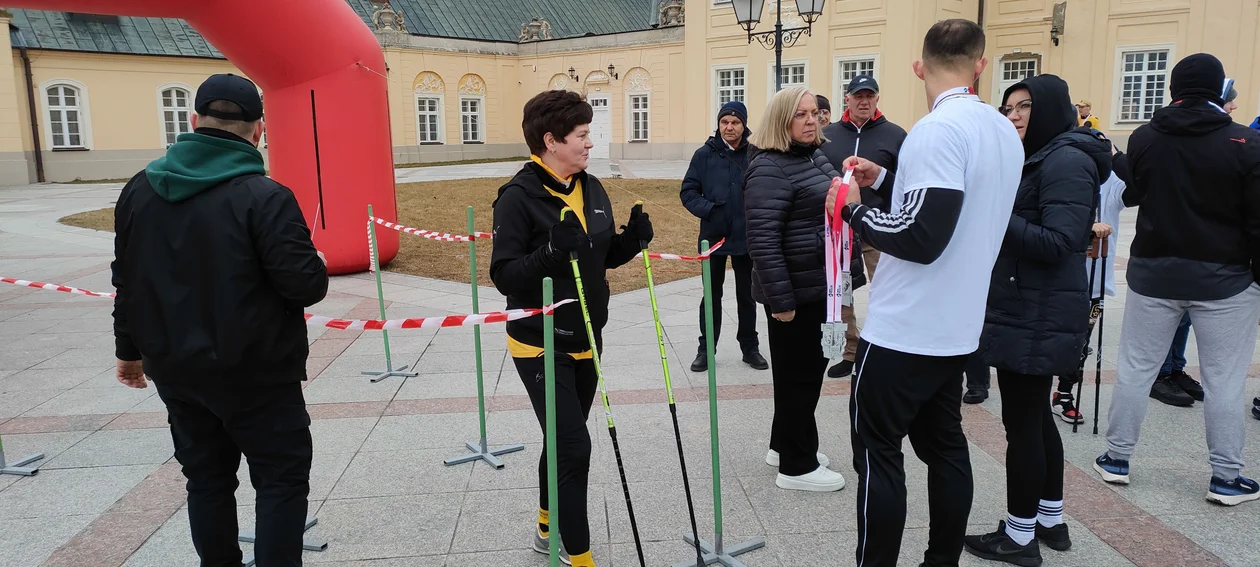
1195,177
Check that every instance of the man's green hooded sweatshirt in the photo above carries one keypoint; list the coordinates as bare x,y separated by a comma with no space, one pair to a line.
197,162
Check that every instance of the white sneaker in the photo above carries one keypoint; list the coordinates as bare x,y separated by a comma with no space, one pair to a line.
822,479
772,459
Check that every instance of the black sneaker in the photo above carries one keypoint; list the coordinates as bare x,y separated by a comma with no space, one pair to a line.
975,396
1167,391
1255,412
701,363
1055,538
844,368
1063,405
755,360
1188,385
998,546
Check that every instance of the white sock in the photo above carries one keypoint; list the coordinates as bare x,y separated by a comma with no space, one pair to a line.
1020,529
1050,513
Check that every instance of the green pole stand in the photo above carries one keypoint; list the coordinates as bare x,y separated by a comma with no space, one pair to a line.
713,552
19,467
247,536
374,252
553,468
479,450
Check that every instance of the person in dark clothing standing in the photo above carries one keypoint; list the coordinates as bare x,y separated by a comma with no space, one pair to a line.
1191,168
713,190
863,131
531,242
824,111
786,186
213,267
1037,317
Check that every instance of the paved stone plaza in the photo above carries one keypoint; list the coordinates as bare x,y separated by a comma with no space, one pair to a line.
110,493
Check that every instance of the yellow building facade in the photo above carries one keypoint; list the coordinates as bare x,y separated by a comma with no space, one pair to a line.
655,90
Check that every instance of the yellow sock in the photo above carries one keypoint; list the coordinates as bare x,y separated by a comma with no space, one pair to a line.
582,560
543,522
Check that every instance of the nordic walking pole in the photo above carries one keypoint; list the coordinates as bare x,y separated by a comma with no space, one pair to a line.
374,261
715,553
1102,298
480,450
553,469
669,392
603,392
1080,375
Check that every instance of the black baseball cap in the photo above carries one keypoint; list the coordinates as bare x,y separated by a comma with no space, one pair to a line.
863,83
232,88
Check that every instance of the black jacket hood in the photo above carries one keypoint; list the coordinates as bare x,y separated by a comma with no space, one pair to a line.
1082,139
1052,111
1190,117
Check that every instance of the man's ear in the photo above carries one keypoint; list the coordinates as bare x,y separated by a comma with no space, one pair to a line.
980,66
917,67
193,119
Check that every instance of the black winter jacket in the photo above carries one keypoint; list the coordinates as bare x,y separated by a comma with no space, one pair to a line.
524,213
1037,319
214,286
713,191
785,194
1195,177
878,140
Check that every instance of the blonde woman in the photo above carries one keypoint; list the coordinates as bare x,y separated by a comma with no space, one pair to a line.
785,190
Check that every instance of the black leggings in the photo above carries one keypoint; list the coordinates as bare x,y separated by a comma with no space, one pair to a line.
1034,451
575,391
796,366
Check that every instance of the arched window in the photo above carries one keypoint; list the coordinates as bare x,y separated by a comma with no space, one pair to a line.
638,85
429,91
176,110
472,109
65,115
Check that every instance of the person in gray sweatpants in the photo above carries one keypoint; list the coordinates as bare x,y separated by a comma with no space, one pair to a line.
1195,176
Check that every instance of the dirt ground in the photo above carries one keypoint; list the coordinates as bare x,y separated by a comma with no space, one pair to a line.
441,206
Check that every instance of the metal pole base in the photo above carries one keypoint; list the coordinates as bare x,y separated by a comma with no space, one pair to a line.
379,375
720,556
17,468
478,453
247,536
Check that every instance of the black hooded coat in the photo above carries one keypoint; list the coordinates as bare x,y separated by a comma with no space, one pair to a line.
1037,320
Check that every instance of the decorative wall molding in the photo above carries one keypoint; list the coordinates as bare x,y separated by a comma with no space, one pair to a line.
638,80
429,82
471,84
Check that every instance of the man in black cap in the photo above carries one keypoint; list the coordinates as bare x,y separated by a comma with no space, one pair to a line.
824,111
213,267
1194,176
863,131
713,190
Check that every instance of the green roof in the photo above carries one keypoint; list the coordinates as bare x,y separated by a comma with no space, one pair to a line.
496,20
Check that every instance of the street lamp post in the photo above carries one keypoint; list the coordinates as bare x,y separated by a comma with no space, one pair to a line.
748,14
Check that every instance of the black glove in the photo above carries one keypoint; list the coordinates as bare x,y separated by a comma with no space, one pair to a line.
568,235
639,226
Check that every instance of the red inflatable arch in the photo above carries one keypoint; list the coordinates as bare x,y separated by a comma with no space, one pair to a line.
323,75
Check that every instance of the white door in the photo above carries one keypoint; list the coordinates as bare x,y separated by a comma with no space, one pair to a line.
601,126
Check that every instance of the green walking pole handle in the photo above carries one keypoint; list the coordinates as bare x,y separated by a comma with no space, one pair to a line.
590,331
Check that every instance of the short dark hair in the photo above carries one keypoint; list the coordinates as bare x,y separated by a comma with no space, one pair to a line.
953,43
557,112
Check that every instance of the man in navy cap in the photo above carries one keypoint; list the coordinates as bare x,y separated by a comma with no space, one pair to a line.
213,267
713,190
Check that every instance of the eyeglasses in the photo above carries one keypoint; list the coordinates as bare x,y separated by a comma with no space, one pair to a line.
1022,107
801,115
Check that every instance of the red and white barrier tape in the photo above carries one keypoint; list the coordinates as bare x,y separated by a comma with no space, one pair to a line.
355,324
431,235
703,255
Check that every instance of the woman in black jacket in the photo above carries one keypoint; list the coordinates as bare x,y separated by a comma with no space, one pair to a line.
1037,318
530,243
785,189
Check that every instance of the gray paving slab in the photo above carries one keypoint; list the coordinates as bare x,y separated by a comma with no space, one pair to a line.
54,378
385,527
117,447
54,492
81,401
15,402
29,541
395,473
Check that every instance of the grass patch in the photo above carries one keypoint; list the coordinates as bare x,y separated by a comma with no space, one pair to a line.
460,162
100,219
441,205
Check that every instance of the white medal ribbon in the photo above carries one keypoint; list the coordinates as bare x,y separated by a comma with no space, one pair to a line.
838,253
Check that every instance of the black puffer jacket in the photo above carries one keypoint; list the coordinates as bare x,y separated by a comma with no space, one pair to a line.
785,194
1038,309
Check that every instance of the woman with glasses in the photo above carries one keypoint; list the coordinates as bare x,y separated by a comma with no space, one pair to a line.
785,190
1037,317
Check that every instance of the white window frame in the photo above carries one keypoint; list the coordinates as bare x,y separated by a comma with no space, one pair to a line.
1000,84
840,84
441,118
83,108
714,89
630,112
481,119
191,93
1118,80
770,76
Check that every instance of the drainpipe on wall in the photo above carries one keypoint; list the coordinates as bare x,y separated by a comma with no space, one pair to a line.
979,22
30,102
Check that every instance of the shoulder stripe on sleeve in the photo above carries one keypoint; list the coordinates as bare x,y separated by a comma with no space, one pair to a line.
885,222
